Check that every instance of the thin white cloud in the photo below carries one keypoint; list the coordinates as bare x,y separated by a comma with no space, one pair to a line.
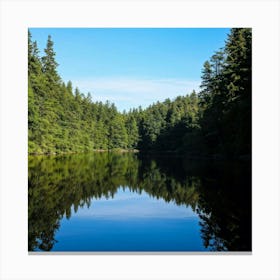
128,92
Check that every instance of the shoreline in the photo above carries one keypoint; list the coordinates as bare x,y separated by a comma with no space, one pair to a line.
95,150
215,157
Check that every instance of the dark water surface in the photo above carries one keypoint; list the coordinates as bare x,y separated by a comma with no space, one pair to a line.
131,202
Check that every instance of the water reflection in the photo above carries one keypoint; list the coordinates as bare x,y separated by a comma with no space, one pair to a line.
218,193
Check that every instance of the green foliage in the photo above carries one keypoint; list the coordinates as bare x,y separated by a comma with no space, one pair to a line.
214,122
132,131
49,63
226,97
60,120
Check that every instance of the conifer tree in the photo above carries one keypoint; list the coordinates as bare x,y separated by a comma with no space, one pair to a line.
49,63
69,87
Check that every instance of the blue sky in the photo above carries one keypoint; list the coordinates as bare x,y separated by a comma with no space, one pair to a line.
132,66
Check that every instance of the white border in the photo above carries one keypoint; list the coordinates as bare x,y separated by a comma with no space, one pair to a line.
262,16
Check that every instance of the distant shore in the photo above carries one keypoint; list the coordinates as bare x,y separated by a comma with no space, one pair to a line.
80,152
215,157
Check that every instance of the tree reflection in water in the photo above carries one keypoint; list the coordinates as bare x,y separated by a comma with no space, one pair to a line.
219,192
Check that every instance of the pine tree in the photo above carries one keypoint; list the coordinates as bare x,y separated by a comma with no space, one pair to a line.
226,97
238,109
69,87
132,132
50,64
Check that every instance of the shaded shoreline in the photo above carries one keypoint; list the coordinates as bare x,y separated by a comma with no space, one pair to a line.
215,157
95,150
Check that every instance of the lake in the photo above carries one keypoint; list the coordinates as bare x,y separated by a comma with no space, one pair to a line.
128,202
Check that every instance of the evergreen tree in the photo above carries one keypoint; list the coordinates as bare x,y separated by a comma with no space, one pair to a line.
226,97
49,63
238,75
69,87
132,132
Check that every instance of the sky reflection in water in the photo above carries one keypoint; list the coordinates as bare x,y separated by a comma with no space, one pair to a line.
128,202
130,222
129,205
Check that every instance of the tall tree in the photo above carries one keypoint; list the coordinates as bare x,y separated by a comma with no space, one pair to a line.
226,97
49,63
238,75
69,87
132,131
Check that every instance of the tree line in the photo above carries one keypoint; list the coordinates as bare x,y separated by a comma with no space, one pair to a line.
216,121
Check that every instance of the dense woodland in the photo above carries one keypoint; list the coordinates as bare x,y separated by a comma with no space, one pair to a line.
213,122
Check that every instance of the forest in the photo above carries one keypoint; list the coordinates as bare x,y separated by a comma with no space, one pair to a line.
214,122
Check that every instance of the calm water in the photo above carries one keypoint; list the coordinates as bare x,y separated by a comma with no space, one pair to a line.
131,202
